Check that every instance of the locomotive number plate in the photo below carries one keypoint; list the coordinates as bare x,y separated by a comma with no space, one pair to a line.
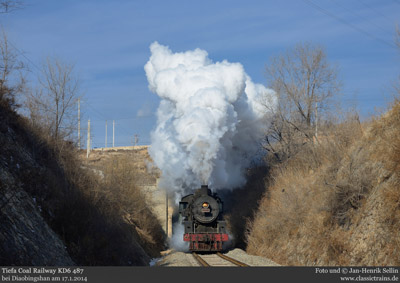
205,210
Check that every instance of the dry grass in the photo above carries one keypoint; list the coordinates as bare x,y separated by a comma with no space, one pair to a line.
122,173
100,222
385,136
337,202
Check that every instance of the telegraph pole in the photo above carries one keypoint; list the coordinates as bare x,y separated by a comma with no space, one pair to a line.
106,133
113,132
88,140
79,123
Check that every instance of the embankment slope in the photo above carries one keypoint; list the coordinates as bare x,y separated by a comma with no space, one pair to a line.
343,208
53,211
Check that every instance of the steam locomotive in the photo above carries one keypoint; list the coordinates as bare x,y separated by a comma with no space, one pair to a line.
202,218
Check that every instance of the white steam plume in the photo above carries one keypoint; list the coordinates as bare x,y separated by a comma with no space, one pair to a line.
210,120
176,242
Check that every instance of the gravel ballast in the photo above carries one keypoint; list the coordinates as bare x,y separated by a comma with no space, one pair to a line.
175,258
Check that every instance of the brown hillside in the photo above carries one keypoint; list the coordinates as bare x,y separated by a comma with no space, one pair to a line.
54,211
126,175
338,203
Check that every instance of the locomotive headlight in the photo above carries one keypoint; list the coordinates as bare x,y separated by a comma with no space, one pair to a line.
205,207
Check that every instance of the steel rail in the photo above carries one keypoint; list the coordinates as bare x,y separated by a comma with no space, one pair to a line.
200,260
234,261
227,258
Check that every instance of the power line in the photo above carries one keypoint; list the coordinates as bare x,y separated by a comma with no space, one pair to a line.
127,132
377,11
133,118
326,12
98,112
23,54
107,119
361,17
120,127
122,119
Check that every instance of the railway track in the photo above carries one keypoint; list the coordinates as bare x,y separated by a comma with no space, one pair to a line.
218,259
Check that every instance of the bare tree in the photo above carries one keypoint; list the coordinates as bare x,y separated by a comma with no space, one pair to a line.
53,104
305,84
7,6
12,80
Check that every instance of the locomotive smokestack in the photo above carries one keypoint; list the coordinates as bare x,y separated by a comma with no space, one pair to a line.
204,190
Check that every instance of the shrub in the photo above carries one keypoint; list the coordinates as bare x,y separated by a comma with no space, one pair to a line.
75,203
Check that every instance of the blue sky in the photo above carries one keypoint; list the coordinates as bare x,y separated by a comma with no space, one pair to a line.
108,41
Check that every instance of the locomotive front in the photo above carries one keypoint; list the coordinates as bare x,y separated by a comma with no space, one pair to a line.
203,220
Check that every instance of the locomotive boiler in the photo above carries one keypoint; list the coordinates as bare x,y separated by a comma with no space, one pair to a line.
202,217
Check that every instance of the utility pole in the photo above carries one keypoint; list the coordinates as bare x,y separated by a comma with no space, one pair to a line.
113,132
136,139
106,133
88,140
79,123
